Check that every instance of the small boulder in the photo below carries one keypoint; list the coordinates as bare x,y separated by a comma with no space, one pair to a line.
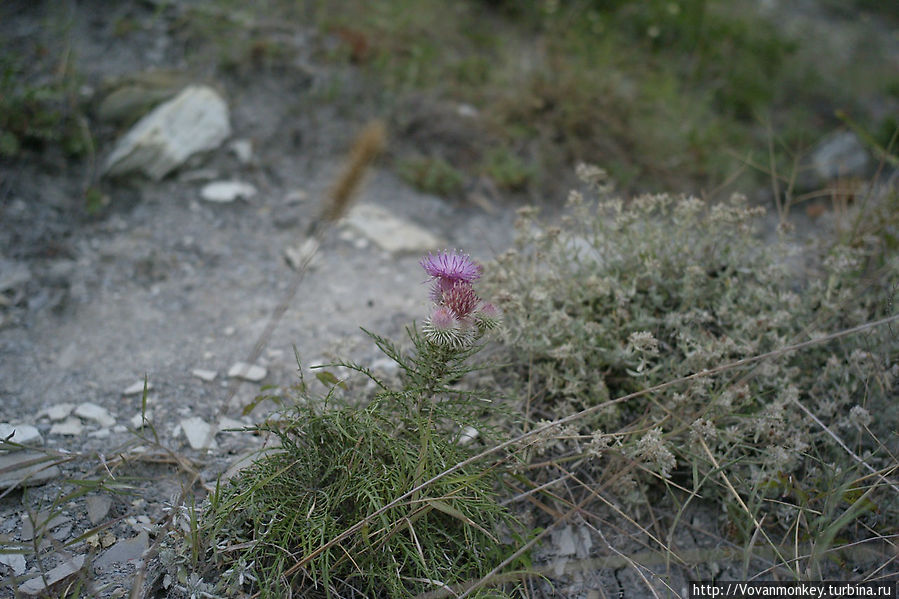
194,121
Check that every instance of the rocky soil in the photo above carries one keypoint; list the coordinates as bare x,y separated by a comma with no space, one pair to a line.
175,283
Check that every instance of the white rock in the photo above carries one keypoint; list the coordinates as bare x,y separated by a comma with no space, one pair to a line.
247,372
206,375
16,561
200,434
226,191
468,434
196,120
841,154
64,570
243,149
303,255
70,427
137,421
100,433
137,388
59,411
390,232
23,434
91,411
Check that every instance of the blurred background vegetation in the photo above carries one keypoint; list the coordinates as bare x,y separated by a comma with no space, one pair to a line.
664,94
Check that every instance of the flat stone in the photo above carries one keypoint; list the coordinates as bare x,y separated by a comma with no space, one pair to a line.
223,192
60,572
247,372
124,551
205,375
565,541
91,411
194,121
25,468
200,434
70,427
44,522
136,388
390,232
23,434
59,411
16,561
102,433
98,507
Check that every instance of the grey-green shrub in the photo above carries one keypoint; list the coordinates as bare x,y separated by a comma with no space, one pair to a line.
620,297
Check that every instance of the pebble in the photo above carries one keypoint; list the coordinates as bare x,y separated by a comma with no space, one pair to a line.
242,149
102,433
200,434
296,196
247,372
206,375
98,507
303,255
137,421
91,411
58,412
37,585
25,468
23,434
124,551
468,434
136,388
108,540
223,192
70,427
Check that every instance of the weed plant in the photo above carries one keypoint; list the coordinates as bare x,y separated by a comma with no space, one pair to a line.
277,525
625,297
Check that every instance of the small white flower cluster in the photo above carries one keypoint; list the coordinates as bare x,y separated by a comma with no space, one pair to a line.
651,450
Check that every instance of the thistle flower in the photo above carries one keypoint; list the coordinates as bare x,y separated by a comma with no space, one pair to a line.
488,317
443,328
461,299
452,266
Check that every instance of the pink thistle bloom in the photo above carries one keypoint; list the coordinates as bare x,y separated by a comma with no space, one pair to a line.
439,289
461,299
442,328
453,266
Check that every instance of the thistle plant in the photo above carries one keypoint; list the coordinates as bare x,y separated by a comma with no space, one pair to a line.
343,459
